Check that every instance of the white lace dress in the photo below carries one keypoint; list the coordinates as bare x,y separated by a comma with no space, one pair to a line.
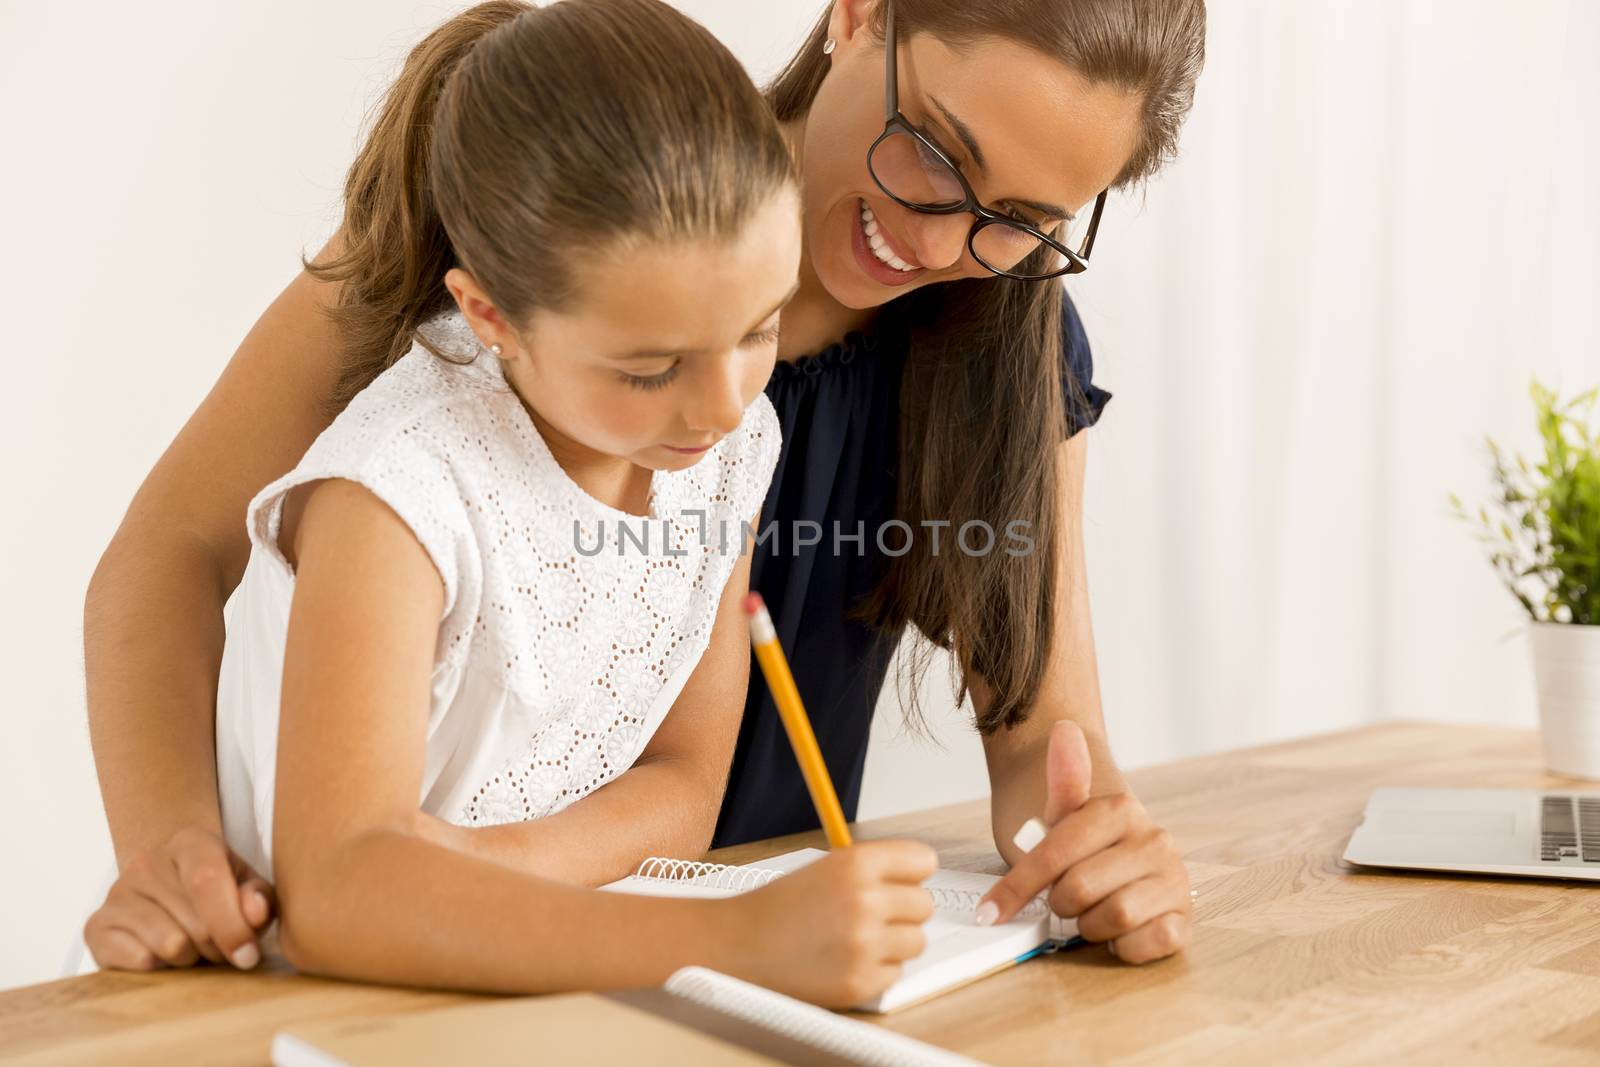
559,653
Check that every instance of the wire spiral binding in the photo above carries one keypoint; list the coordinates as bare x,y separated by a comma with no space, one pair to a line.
966,900
712,875
723,876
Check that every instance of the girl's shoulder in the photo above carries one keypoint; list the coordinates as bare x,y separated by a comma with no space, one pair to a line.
457,367
754,444
734,475
426,400
428,437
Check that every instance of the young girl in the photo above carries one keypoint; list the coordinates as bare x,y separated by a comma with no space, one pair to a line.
586,217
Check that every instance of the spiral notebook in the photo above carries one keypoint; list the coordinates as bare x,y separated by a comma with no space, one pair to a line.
959,950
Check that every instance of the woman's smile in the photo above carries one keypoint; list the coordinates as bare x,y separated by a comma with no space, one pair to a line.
883,259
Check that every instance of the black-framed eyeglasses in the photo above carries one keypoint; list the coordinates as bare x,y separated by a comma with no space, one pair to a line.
916,174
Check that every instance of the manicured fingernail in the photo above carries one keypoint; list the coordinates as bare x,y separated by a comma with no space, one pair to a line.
988,912
1028,838
246,956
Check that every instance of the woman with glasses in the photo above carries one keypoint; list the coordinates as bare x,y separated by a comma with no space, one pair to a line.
933,385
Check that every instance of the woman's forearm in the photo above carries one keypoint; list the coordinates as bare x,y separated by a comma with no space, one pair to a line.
388,906
662,807
153,629
152,642
1069,690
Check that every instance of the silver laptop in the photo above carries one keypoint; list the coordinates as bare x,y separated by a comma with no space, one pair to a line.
1550,834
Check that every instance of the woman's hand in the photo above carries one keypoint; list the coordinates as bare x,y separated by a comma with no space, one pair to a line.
1104,862
191,899
837,931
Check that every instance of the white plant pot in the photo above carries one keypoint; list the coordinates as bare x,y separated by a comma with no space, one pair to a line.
1566,667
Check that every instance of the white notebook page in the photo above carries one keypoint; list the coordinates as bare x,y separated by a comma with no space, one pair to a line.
958,951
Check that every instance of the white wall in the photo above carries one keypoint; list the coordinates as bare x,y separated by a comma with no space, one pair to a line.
1302,354
1381,225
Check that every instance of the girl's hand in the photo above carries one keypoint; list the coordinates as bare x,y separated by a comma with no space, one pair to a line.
1104,861
192,898
837,931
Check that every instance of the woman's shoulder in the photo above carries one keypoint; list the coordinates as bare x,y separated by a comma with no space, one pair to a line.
1085,399
1075,350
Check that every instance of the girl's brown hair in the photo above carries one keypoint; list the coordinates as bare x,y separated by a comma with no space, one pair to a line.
519,139
981,411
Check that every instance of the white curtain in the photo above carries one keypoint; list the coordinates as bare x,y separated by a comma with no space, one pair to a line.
1381,225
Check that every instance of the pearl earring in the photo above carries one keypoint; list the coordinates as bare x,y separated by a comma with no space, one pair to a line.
827,48
496,349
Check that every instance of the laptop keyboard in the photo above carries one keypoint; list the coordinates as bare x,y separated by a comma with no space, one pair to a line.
1569,829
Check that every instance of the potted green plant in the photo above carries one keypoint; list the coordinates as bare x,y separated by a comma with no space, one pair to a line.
1542,531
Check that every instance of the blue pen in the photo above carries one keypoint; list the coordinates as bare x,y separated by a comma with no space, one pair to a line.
1051,946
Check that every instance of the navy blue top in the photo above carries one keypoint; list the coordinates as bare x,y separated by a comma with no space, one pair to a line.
840,413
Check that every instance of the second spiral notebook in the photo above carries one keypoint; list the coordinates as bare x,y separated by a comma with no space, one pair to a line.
959,950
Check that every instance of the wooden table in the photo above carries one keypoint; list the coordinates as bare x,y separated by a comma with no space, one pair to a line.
1298,958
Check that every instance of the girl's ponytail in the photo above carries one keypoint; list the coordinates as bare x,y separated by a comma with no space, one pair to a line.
392,251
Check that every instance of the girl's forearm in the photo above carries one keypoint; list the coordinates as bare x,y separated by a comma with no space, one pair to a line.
389,906
152,641
664,807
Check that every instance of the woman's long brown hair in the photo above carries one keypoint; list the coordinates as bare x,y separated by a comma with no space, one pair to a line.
519,139
981,406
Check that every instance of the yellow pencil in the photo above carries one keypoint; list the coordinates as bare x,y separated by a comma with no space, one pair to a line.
769,654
